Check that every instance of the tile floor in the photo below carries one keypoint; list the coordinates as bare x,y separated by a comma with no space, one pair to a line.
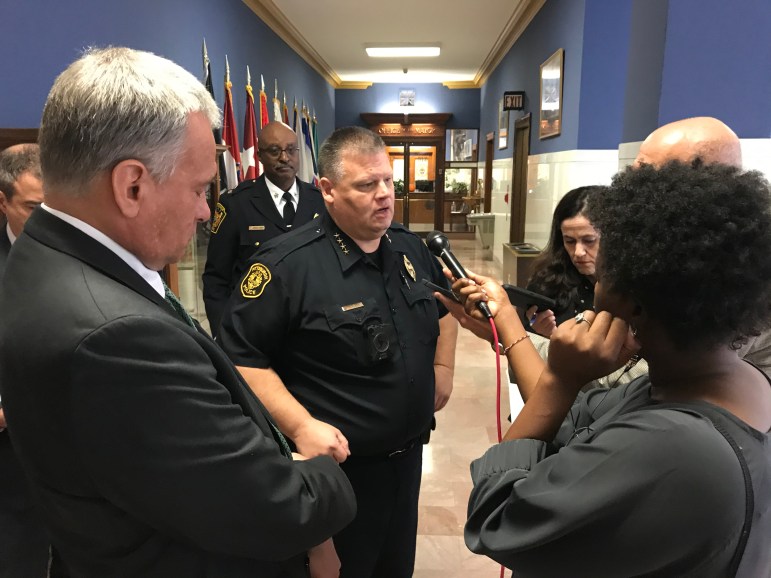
465,429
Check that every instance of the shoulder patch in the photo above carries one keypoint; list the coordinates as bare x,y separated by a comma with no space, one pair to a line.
219,215
255,281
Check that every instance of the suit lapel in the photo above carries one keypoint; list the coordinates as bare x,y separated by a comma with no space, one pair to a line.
61,236
263,202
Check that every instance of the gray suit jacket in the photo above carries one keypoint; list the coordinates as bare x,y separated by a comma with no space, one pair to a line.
148,454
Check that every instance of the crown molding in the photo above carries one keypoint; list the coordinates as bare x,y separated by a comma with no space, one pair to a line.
354,84
269,13
452,84
516,25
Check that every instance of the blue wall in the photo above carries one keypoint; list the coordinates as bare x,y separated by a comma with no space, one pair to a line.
384,97
559,24
50,35
647,39
603,67
717,63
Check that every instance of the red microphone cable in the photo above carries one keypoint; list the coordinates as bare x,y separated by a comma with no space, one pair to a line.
496,348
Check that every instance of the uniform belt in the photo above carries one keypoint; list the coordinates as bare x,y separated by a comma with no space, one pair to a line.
386,455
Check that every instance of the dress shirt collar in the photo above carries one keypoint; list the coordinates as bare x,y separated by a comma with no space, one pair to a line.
11,236
277,194
153,278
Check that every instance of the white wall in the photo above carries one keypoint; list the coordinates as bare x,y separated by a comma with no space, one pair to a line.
551,175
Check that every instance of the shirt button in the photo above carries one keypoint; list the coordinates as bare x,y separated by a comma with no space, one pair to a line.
393,310
412,381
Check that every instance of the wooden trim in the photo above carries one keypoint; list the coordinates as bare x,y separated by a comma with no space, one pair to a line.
12,136
376,118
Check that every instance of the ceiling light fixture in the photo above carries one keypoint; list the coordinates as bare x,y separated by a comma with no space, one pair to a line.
402,51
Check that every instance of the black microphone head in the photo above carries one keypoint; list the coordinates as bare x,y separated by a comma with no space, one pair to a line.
437,243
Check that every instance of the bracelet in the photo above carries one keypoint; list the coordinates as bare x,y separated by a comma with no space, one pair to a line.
513,343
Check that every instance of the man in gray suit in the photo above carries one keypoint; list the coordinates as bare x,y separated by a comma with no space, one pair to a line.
24,543
146,452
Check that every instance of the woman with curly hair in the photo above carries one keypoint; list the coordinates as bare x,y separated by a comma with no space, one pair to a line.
564,270
668,475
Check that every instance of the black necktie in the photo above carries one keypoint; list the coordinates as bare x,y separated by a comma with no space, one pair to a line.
172,300
288,209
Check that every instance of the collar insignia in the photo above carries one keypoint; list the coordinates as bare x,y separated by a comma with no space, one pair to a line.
219,215
340,242
255,281
315,215
410,269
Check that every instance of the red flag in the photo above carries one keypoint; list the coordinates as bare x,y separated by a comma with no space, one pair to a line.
249,163
232,154
263,105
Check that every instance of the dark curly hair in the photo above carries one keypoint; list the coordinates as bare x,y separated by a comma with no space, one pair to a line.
691,243
554,274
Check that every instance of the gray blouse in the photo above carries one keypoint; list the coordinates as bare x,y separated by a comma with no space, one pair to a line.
625,489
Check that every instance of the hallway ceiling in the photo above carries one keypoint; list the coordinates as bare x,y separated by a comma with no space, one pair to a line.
331,36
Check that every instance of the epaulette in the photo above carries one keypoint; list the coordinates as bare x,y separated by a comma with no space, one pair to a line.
280,247
242,186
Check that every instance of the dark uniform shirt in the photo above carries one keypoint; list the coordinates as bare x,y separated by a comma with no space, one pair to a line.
245,220
352,336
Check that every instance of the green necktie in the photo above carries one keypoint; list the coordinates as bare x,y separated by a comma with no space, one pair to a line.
172,300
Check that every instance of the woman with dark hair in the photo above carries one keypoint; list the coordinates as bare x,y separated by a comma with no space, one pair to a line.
668,475
564,270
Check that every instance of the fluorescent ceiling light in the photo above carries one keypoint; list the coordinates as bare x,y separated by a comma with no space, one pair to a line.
402,51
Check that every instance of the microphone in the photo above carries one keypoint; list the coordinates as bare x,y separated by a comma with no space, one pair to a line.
439,245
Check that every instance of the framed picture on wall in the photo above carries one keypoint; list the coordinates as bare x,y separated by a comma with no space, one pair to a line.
462,144
550,123
503,126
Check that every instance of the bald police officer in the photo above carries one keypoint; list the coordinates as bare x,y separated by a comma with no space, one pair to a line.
255,212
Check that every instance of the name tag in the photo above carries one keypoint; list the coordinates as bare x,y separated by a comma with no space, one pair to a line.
256,227
353,306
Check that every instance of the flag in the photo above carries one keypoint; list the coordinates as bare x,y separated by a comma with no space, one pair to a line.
207,81
294,118
306,152
285,111
232,154
263,105
315,143
251,170
276,103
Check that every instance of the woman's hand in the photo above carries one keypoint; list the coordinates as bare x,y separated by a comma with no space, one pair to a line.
542,322
581,351
477,289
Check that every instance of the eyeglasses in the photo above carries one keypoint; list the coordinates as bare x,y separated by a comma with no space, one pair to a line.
275,151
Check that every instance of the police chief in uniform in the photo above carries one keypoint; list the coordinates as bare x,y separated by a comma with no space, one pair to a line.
334,330
255,212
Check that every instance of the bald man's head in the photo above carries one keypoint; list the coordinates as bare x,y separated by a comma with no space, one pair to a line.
701,137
